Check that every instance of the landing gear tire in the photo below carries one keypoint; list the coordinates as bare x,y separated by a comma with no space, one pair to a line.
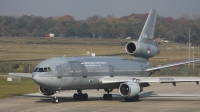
110,97
85,96
137,98
133,99
55,100
107,97
75,96
80,96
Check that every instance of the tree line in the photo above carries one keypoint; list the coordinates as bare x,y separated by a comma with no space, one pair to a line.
176,30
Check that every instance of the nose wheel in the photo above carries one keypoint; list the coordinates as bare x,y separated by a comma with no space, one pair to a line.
80,96
55,99
107,96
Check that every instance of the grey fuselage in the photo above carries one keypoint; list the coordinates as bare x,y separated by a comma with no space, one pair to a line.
86,72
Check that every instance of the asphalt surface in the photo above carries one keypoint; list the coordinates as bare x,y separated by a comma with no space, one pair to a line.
185,97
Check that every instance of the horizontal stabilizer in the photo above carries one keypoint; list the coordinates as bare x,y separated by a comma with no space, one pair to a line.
169,65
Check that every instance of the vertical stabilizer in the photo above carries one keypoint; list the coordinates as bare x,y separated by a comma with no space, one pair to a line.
146,47
149,27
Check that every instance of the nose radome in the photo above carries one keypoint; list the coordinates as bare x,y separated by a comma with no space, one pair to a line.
37,80
36,77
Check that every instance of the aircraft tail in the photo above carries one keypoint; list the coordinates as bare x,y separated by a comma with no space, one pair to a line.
149,27
145,47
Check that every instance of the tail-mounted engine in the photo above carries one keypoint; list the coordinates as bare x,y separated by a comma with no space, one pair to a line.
144,50
45,91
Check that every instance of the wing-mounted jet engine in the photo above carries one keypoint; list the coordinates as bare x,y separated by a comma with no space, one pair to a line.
130,90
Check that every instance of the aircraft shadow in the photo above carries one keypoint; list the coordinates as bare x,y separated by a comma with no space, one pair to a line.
147,96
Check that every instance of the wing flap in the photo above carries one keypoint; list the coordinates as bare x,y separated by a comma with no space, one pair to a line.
28,75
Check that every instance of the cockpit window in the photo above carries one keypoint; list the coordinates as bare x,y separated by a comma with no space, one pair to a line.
45,69
41,70
35,70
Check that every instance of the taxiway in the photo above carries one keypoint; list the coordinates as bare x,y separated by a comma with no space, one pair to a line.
158,97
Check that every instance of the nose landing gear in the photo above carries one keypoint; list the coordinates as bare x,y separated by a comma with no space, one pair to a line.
55,99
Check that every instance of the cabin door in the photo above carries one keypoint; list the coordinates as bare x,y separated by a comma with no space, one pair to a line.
111,71
60,73
79,70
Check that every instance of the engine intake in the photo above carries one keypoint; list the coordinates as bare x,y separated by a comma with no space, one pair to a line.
45,91
129,89
138,49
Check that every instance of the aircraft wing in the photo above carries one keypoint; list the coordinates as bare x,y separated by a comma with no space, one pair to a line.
107,80
28,75
169,79
169,65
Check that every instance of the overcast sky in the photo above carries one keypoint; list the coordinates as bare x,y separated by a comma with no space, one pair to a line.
82,9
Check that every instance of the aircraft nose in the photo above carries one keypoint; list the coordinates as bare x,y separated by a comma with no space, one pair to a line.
42,80
39,80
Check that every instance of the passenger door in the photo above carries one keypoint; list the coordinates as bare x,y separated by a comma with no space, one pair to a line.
64,70
111,71
79,70
59,70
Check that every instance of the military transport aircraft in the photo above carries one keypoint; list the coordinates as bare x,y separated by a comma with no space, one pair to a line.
130,76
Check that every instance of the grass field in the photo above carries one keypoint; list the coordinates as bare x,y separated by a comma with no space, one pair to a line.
36,49
9,89
42,48
33,50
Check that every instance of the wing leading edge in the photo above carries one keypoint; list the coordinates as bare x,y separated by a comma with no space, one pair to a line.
28,75
169,65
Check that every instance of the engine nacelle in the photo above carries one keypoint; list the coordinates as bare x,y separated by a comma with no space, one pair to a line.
129,89
45,91
138,49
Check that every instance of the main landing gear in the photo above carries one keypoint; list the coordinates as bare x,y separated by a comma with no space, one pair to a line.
135,98
107,96
80,96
